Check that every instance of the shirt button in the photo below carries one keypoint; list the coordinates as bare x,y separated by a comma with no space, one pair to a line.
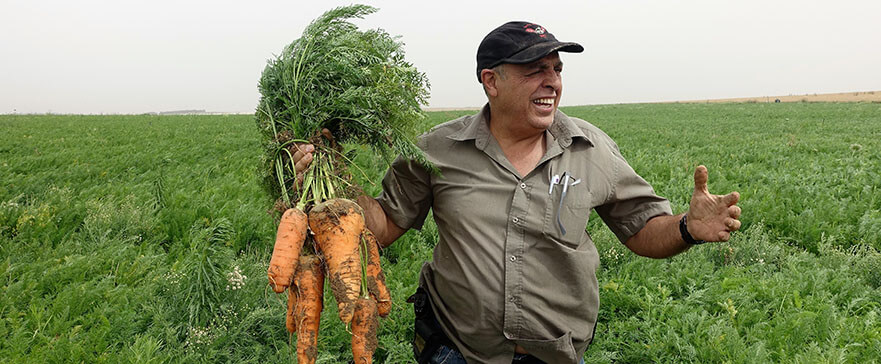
522,185
515,220
513,258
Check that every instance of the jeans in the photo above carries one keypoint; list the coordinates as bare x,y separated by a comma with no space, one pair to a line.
448,355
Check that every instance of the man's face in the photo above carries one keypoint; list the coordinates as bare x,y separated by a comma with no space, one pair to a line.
532,90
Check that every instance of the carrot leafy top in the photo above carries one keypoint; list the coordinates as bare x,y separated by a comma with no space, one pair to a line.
354,83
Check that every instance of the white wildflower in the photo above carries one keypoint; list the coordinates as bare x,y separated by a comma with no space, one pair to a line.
235,279
198,336
173,277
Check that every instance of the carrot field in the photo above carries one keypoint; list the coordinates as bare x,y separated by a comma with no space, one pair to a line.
146,239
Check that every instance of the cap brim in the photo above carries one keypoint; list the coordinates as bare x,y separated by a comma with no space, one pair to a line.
540,50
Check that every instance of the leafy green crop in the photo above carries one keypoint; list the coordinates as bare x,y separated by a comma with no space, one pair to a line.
354,83
108,223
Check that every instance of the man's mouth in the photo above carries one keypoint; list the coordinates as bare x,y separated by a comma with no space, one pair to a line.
546,102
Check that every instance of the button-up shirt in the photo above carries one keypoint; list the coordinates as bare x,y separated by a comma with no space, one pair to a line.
504,273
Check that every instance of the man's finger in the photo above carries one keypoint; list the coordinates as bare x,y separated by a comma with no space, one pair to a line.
327,134
731,198
724,236
734,211
301,150
303,163
732,224
700,179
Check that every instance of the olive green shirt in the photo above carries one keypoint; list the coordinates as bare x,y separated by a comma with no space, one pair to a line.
503,272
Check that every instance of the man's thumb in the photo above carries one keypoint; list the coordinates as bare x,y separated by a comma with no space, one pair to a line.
731,198
700,179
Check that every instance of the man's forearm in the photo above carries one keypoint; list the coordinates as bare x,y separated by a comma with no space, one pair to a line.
659,238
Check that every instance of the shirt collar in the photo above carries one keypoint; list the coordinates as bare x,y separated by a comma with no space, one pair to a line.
477,129
563,129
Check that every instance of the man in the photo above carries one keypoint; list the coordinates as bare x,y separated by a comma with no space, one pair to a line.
513,278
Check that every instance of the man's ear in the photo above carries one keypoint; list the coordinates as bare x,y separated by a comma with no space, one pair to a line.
489,78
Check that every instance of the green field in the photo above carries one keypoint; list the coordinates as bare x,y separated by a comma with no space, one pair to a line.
146,239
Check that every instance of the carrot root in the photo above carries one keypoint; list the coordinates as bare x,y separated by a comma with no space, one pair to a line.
337,225
310,302
286,252
364,325
290,318
375,277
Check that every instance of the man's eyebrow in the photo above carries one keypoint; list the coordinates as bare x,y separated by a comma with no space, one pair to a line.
544,66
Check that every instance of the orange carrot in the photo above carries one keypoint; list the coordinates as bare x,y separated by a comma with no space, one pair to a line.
290,321
310,302
375,277
288,244
364,325
337,225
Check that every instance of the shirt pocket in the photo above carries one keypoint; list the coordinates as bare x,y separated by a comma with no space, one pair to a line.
572,215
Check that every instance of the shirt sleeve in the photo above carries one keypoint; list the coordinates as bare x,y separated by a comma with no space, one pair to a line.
406,195
632,201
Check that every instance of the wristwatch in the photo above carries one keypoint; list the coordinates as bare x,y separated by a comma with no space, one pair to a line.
686,236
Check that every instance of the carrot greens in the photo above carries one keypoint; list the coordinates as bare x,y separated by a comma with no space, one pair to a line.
354,83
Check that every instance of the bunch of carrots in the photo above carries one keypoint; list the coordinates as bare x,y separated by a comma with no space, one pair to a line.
348,255
334,85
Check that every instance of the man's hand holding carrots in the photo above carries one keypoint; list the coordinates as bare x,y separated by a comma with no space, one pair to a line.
377,222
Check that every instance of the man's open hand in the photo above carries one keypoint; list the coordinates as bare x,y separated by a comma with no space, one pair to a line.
712,217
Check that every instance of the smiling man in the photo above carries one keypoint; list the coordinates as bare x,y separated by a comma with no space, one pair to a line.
513,275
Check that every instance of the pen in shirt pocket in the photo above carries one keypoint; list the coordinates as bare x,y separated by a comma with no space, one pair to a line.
564,180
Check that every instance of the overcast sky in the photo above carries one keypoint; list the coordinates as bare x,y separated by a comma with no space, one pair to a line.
142,56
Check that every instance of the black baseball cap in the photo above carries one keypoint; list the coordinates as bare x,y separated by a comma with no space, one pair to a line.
519,42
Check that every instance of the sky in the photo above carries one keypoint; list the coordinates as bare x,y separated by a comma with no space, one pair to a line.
133,56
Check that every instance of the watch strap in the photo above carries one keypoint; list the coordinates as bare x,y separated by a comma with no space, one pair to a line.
686,236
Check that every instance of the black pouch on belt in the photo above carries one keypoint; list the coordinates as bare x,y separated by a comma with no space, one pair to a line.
427,334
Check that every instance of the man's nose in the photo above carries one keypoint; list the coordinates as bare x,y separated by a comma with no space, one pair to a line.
552,80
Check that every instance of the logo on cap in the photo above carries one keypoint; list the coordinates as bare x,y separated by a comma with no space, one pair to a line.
535,28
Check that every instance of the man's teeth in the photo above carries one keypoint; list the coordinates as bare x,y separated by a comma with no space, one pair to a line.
544,101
